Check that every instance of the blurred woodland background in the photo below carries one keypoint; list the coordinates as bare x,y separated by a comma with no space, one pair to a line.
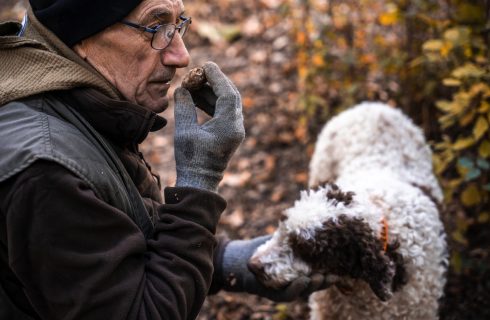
299,62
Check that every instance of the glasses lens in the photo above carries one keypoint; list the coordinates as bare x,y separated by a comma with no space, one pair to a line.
184,27
163,36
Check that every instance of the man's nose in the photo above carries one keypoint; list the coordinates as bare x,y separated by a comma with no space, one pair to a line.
176,53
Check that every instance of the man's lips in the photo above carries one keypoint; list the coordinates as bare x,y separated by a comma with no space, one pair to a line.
161,88
160,81
163,83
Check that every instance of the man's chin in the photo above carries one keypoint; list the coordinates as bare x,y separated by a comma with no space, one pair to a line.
155,104
160,105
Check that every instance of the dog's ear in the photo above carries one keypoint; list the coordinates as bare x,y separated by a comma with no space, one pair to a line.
379,274
347,246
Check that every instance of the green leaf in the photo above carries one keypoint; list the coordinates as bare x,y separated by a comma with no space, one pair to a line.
466,162
482,163
472,174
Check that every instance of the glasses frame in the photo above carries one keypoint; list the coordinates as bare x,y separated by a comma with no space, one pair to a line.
186,21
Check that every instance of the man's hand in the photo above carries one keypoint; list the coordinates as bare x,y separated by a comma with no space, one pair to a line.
202,151
236,277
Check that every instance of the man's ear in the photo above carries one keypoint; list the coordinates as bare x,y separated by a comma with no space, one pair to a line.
79,48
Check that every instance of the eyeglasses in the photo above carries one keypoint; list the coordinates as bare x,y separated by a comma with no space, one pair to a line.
163,33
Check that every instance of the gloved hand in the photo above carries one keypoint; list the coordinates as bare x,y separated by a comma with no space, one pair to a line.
202,151
235,276
205,99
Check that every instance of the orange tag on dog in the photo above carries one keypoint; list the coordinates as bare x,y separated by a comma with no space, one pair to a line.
384,233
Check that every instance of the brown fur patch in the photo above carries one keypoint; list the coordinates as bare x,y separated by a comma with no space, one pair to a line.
401,275
338,195
335,193
317,186
349,247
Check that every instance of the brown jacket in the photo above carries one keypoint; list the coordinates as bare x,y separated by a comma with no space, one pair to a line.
64,252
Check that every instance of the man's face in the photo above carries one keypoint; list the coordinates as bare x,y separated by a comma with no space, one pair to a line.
124,56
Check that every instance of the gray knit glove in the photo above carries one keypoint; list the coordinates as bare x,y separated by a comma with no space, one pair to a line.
234,275
202,151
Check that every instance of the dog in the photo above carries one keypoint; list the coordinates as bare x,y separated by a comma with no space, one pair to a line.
369,222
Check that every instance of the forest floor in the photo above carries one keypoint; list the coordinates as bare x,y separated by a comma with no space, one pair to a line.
250,41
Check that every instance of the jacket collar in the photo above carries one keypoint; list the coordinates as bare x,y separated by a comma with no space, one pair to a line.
122,122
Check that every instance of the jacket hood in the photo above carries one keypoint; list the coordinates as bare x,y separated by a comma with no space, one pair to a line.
39,62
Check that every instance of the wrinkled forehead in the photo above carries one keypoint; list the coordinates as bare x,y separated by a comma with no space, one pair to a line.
164,10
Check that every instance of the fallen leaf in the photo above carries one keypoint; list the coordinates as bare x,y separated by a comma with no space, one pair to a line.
270,229
248,102
301,178
235,219
252,27
236,179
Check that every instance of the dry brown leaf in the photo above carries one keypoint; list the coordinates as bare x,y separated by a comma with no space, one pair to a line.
235,219
301,178
236,179
270,229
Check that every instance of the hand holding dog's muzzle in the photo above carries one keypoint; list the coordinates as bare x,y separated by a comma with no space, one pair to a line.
235,274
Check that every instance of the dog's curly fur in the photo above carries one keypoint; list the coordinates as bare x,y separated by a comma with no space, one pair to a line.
382,168
348,247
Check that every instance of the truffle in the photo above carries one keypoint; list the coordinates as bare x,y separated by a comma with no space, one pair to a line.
194,79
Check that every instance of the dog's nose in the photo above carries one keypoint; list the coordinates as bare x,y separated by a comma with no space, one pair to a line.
255,266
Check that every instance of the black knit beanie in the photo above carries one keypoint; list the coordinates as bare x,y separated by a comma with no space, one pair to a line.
75,20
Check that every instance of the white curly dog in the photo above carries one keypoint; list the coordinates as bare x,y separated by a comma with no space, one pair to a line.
375,232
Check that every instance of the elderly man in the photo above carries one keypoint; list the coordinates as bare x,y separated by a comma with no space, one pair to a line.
85,233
